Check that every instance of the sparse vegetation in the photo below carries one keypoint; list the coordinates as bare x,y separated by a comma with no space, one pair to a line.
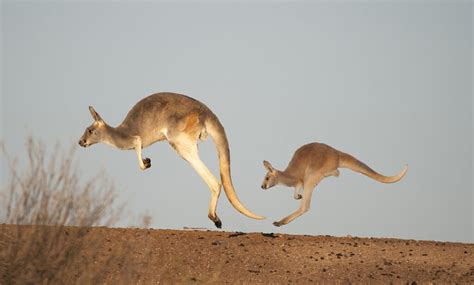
52,209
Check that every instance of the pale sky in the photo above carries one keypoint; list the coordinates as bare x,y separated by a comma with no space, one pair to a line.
390,83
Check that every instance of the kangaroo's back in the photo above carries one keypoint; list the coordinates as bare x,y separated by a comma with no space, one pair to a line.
314,156
161,111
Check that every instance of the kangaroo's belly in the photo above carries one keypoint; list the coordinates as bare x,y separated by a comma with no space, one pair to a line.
153,137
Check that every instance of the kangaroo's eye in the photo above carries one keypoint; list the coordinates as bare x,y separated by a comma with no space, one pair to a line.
266,178
90,131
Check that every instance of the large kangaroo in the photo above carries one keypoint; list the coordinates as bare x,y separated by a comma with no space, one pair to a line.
181,121
309,165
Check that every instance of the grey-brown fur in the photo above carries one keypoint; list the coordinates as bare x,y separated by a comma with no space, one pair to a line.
310,164
180,120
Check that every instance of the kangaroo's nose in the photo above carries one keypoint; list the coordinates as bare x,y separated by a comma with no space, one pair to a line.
263,187
82,142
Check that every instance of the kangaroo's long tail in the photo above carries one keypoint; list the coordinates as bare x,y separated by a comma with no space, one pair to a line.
348,161
217,132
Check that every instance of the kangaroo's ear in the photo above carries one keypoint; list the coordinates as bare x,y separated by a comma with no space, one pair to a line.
95,115
268,166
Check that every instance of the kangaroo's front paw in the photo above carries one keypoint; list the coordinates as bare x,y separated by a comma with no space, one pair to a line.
298,197
146,163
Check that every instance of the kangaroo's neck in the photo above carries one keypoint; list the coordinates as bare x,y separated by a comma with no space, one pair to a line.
118,137
287,179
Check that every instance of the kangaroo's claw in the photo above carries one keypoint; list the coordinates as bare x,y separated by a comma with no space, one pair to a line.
298,197
147,163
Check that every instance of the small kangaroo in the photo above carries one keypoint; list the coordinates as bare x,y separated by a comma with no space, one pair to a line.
309,165
180,120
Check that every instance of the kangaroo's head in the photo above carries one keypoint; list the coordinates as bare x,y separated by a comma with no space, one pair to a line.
271,178
95,132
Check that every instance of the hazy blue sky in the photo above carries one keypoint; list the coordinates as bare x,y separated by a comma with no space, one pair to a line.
390,83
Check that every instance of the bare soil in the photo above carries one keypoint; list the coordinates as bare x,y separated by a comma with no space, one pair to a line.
193,256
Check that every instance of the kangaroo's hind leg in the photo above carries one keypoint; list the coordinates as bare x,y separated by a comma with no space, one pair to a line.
309,184
187,149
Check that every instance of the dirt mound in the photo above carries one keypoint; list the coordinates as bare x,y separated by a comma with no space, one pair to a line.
188,256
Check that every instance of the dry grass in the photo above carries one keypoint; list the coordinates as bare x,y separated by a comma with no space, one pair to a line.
48,193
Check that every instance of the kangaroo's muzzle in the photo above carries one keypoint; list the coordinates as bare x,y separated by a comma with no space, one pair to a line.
83,143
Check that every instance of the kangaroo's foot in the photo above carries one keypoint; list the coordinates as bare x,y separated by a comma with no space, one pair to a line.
282,222
146,163
216,221
278,224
